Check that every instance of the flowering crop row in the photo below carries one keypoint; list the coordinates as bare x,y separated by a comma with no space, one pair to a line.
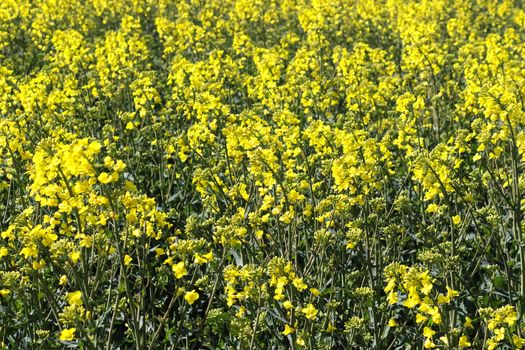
262,174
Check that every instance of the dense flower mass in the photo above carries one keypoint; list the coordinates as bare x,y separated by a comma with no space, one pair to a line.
262,174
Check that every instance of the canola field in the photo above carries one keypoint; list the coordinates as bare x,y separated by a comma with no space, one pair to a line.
262,174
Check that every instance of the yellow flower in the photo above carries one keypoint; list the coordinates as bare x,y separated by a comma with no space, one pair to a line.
74,298
499,334
428,332
67,334
432,208
315,292
287,304
436,318
74,256
468,323
29,251
179,270
119,166
202,259
199,260
278,294
127,260
463,342
299,284
456,220
105,178
3,252
511,316
300,341
63,280
518,342
191,296
4,292
426,282
392,323
412,300
492,344
420,318
446,299
391,285
451,293
38,264
288,330
392,298
130,126
429,344
241,311
310,311
444,339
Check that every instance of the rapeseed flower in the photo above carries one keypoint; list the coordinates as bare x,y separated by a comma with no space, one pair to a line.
191,296
67,334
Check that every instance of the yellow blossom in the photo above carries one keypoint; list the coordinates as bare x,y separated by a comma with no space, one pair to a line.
463,342
499,334
288,329
179,270
444,339
74,298
300,341
315,292
518,341
420,318
191,296
67,334
310,311
29,251
429,344
105,178
127,260
299,284
287,304
468,323
428,332
74,256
